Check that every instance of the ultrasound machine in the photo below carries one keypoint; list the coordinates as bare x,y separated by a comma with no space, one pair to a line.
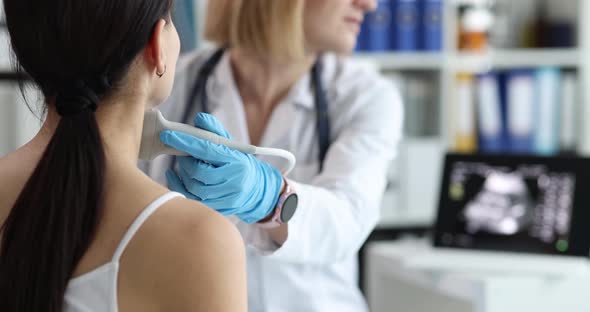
507,213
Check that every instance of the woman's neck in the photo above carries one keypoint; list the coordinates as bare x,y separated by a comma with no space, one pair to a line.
120,123
264,82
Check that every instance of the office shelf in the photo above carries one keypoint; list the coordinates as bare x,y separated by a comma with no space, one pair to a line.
518,58
465,61
403,60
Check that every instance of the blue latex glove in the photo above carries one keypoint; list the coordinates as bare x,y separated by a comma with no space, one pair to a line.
229,181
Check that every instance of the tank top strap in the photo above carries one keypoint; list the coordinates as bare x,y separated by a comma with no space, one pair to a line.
140,220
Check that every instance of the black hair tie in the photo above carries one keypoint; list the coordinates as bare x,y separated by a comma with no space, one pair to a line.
81,97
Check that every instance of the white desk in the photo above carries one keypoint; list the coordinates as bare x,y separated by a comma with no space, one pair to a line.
394,287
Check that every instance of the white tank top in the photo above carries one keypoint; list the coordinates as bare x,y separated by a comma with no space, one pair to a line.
97,289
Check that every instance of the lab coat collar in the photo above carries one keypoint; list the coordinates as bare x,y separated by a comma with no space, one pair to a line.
227,105
220,82
225,102
301,93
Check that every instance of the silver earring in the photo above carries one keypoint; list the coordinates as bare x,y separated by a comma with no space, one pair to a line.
162,74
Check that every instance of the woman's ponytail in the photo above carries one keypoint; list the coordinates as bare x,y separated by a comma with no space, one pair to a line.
57,212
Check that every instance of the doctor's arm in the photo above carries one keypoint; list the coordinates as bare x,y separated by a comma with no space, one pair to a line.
341,206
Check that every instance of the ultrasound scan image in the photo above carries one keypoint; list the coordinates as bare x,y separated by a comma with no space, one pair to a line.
526,207
504,206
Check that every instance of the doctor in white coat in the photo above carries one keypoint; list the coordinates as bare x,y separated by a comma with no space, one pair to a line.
281,83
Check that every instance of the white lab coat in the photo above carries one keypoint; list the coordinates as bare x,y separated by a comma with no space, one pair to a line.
316,268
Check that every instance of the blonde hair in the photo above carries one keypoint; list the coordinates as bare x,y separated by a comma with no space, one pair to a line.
272,28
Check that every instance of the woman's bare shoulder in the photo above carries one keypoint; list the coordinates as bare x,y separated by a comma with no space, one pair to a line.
195,257
188,218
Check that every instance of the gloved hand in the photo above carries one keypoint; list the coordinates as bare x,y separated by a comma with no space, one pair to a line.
229,181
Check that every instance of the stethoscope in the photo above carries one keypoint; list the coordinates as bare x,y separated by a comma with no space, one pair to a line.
199,90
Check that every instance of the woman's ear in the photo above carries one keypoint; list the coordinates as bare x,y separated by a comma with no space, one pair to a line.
155,50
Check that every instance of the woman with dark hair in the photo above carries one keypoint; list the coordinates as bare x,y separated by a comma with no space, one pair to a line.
82,229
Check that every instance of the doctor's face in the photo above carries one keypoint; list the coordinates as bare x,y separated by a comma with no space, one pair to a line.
334,25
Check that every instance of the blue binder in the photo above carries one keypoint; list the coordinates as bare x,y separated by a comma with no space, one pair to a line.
521,109
431,25
405,25
548,112
377,28
492,132
362,39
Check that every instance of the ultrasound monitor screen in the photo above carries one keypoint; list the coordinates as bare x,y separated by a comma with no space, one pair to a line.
524,204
